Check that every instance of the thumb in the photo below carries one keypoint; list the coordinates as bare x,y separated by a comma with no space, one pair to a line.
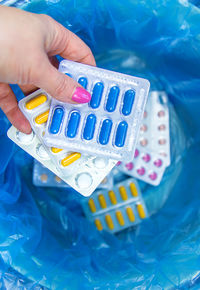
59,85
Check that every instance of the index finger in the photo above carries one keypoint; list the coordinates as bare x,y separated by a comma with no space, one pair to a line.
67,44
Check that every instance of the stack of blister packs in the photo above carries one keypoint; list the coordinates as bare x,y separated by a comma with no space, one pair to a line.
152,154
78,145
81,143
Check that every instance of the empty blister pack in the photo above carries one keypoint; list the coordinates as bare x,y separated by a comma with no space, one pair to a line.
82,172
154,131
116,209
109,124
42,176
147,166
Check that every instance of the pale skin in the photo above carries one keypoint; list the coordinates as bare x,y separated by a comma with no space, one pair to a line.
28,44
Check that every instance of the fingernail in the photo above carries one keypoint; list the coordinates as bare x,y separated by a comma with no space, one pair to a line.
81,96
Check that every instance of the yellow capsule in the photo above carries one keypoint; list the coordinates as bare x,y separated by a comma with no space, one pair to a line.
98,224
123,192
112,197
141,211
109,222
102,201
35,102
42,118
133,189
92,205
130,214
120,218
70,159
56,150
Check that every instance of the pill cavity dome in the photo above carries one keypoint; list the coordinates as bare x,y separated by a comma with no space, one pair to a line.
109,124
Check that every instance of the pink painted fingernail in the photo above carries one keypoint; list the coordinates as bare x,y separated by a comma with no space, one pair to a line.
81,96
118,163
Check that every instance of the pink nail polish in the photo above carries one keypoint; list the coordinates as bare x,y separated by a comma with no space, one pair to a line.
81,96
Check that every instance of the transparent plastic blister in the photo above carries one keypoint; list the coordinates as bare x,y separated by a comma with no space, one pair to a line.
82,172
154,131
109,124
117,209
147,166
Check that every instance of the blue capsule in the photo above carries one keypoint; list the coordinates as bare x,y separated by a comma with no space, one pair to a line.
56,120
96,95
73,124
83,82
129,98
105,132
121,134
89,129
112,99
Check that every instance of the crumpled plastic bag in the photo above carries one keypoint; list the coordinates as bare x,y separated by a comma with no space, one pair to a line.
45,240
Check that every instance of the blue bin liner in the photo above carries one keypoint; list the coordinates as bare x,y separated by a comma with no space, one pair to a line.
45,240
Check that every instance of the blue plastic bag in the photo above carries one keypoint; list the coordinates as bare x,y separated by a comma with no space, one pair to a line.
44,237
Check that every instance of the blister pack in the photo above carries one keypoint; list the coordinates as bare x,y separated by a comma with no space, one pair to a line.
154,131
32,145
82,172
146,166
84,180
117,209
42,176
109,124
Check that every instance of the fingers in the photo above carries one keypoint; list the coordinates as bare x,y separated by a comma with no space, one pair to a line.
28,89
59,85
9,106
65,43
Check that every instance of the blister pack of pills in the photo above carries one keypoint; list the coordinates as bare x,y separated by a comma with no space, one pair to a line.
82,172
42,176
84,180
146,166
154,131
32,145
109,124
116,209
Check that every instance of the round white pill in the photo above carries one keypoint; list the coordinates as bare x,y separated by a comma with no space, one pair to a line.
100,163
25,138
84,180
42,152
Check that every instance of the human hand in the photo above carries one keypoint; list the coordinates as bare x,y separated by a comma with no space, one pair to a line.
28,42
